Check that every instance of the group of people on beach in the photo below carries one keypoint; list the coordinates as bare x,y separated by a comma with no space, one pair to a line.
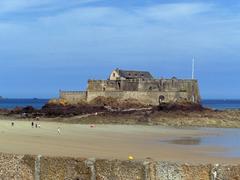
37,125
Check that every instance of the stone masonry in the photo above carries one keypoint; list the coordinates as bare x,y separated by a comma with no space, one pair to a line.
137,85
27,167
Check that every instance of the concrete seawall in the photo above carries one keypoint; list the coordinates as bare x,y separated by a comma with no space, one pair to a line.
28,167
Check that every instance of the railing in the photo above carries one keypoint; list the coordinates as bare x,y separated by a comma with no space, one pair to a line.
72,92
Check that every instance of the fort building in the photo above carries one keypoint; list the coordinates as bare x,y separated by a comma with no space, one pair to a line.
140,85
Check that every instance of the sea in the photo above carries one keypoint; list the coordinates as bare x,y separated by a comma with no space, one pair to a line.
219,104
13,103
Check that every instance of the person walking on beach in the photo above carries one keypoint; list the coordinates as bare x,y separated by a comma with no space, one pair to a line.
32,124
36,126
59,130
12,123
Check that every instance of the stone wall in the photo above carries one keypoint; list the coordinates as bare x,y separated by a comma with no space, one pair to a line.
26,167
143,85
17,167
73,97
143,97
145,91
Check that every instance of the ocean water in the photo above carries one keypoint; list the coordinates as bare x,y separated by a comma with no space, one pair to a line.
221,104
13,103
38,103
228,138
224,138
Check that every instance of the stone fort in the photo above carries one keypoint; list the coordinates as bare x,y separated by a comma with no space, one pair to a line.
140,85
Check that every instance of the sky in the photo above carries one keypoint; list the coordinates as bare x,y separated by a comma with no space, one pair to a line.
48,45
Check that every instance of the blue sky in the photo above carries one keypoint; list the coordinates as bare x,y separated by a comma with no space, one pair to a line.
47,45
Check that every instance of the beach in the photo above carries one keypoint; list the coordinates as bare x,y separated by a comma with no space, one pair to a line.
107,142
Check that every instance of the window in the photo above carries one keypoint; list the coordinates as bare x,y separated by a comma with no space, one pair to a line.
114,74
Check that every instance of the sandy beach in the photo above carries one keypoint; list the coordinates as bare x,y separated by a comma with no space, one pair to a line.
106,141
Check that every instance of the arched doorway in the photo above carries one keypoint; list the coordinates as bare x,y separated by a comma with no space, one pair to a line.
161,99
119,85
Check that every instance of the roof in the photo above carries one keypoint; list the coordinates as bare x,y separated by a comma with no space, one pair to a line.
134,74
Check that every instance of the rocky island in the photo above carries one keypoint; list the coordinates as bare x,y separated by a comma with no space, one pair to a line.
135,127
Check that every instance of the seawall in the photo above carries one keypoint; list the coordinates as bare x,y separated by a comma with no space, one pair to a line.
28,167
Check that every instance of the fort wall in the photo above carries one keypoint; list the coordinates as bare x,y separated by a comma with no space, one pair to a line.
142,85
73,97
29,167
151,98
145,91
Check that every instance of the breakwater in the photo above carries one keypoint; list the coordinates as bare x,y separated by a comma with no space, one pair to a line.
29,167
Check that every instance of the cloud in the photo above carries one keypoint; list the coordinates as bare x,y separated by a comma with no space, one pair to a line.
30,6
67,37
106,16
174,10
160,29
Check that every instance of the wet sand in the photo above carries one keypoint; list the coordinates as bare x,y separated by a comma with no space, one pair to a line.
107,141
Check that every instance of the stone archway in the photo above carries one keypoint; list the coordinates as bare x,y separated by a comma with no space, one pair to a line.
119,85
161,99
